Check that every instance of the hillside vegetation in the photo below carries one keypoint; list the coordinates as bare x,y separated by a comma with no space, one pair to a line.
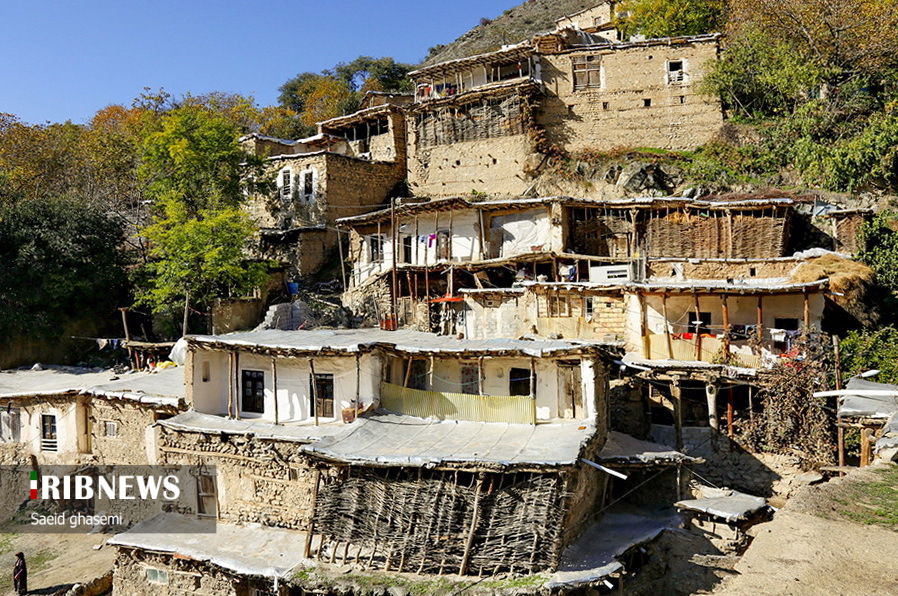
515,24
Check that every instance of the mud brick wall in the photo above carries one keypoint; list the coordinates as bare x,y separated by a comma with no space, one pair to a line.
615,113
128,445
263,481
184,576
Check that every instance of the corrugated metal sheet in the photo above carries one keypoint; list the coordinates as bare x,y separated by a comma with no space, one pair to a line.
458,406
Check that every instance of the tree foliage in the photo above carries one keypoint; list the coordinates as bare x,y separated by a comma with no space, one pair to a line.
668,18
868,349
879,248
196,172
338,91
61,260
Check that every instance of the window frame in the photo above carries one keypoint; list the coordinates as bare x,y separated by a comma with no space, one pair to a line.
162,577
285,186
49,443
590,67
256,381
206,489
322,406
516,384
110,424
376,248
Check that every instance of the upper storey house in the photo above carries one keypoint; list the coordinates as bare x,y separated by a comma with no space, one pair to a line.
352,164
488,123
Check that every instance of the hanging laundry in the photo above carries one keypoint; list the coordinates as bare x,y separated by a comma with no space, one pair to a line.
101,342
688,335
778,334
431,239
791,337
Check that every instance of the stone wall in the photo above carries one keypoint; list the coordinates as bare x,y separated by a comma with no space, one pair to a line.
132,441
370,302
728,464
719,269
635,105
261,481
185,576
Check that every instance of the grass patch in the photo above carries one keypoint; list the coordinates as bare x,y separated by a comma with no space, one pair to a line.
873,502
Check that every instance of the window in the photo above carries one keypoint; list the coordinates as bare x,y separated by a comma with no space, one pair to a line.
589,307
323,389
559,306
701,324
10,425
206,372
605,105
682,99
376,248
646,103
587,72
789,324
110,428
470,379
286,184
206,495
407,249
519,381
157,576
676,71
253,391
417,376
48,432
308,185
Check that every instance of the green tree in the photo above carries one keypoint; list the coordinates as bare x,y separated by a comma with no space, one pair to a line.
203,258
668,18
197,175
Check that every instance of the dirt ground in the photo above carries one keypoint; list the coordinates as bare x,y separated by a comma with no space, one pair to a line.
55,561
836,538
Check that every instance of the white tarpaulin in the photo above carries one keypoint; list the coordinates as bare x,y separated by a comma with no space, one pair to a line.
522,232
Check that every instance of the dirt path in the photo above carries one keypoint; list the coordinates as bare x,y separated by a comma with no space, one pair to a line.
54,560
837,538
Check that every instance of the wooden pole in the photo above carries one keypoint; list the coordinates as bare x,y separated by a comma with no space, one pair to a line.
482,232
760,323
127,336
475,519
698,335
231,376
644,327
314,389
711,395
726,328
677,394
866,443
342,260
807,312
186,311
839,430
307,549
533,379
408,371
667,329
450,235
274,386
358,388
394,234
731,412
480,376
237,385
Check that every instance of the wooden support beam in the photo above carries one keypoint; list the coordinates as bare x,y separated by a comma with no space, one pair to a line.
533,379
307,548
866,446
237,385
644,327
698,335
807,311
840,431
314,383
677,395
667,329
731,413
395,249
274,386
711,391
231,376
475,519
726,327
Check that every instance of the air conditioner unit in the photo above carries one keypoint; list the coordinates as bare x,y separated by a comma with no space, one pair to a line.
610,274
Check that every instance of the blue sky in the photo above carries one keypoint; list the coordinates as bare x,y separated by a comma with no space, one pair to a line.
66,59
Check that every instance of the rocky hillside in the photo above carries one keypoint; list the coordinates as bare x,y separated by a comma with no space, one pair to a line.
514,25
